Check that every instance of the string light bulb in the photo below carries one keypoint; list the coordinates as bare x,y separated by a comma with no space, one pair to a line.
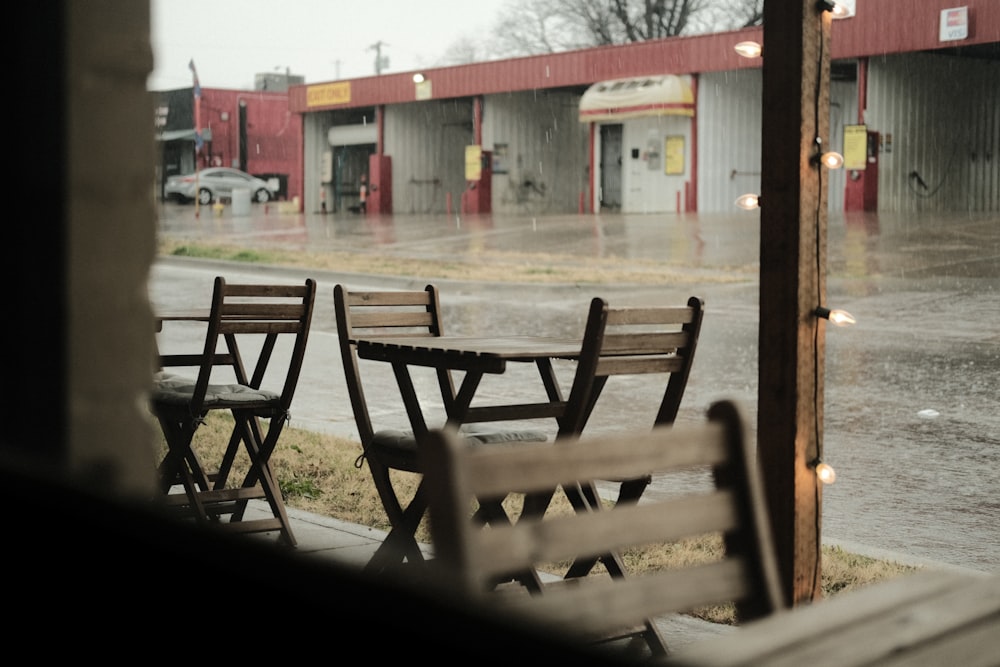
830,160
825,473
749,49
841,318
748,202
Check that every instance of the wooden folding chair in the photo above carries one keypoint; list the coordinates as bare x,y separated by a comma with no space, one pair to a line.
599,608
647,340
630,341
240,316
397,313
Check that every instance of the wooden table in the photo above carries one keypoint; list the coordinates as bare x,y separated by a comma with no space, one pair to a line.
933,617
476,356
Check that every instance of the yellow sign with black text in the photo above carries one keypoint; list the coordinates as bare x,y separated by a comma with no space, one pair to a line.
674,151
855,147
473,163
327,94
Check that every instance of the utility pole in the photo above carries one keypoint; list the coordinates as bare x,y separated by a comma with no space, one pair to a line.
381,62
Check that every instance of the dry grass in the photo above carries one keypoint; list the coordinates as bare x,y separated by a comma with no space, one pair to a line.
492,266
318,473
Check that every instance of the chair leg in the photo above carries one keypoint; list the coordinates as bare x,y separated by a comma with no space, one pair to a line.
585,498
259,452
181,465
400,544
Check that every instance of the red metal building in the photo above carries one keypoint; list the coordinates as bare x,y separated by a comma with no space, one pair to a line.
254,131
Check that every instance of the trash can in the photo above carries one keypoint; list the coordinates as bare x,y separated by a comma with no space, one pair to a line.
241,201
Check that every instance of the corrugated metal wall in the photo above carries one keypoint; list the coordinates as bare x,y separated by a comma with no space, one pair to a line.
315,127
729,128
729,133
938,116
427,143
542,148
538,145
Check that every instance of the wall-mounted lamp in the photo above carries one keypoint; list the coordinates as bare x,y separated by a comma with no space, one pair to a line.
748,202
749,49
841,318
418,78
840,9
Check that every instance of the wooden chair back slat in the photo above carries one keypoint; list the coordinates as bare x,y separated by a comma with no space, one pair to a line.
636,365
730,505
423,298
500,551
652,315
664,342
634,341
388,320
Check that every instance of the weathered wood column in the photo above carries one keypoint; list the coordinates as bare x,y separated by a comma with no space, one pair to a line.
796,102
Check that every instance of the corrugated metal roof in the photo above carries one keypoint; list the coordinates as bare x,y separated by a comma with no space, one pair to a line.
879,27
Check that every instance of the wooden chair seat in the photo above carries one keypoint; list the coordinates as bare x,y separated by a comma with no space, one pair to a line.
170,389
398,449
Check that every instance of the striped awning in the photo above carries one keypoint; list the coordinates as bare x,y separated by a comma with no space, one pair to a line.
660,95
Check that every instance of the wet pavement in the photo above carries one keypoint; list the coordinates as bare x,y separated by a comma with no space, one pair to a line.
912,423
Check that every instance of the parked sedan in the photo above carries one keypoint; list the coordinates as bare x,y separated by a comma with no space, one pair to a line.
215,183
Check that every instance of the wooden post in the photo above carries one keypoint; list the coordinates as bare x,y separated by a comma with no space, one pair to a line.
793,283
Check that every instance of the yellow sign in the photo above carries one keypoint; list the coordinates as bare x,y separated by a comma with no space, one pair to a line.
328,93
674,151
473,163
855,146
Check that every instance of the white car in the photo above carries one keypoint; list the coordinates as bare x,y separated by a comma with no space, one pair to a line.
216,183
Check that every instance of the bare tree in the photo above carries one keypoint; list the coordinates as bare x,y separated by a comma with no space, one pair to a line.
537,26
462,51
529,27
728,15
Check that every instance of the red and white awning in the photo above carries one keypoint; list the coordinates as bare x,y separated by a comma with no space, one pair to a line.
659,95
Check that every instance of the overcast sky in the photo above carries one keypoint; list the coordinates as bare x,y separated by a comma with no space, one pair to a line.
232,40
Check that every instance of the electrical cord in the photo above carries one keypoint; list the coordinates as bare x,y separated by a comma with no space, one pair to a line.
914,181
816,324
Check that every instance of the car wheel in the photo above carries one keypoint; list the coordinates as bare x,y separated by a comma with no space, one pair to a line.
204,196
262,196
